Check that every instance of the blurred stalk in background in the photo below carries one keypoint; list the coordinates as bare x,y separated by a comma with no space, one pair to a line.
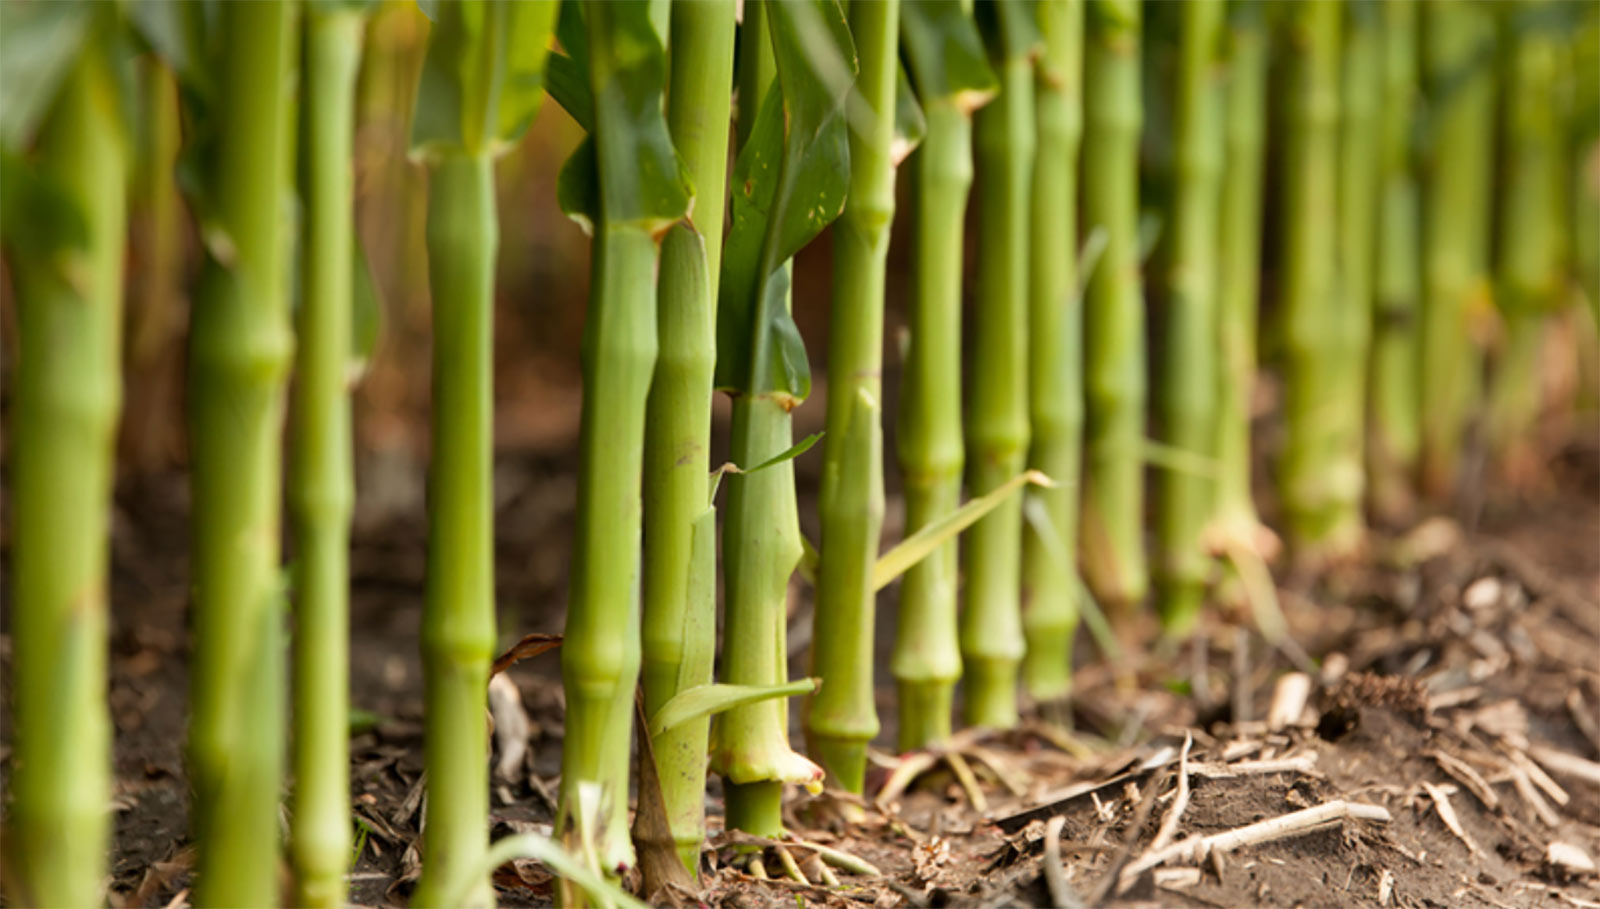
1360,183
1458,43
1533,253
1055,358
1239,268
1114,316
67,271
1394,408
1186,389
1315,479
997,407
241,348
158,245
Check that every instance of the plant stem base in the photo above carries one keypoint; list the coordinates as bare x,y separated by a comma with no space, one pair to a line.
925,709
1179,603
1047,666
991,695
756,808
844,759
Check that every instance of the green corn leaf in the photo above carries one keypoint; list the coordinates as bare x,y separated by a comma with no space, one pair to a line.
483,79
946,54
789,183
651,185
38,216
573,35
176,32
645,184
910,126
914,548
569,86
38,44
711,699
788,454
578,186
1177,460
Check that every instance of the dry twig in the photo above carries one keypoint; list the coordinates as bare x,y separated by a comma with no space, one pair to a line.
1270,830
1169,824
1447,813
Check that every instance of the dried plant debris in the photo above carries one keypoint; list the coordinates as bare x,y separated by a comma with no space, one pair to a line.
1342,706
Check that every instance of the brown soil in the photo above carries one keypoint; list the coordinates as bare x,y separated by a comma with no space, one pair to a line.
1454,666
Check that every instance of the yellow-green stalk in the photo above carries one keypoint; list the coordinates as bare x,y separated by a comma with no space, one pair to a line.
680,618
641,192
462,122
1239,267
1112,541
1050,584
1360,184
64,407
157,243
1458,43
992,643
321,483
951,72
1393,426
788,183
1320,487
841,718
241,346
1186,389
1584,133
1533,251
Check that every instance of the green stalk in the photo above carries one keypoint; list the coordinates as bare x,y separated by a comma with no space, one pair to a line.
1187,385
1055,354
841,718
1584,130
1239,267
1360,185
321,491
1113,316
478,89
952,76
997,413
788,183
927,655
760,550
760,546
458,621
680,626
1533,248
601,654
1393,433
240,349
66,400
1317,485
1458,54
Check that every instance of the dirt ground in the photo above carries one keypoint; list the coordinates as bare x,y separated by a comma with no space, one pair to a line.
1452,698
